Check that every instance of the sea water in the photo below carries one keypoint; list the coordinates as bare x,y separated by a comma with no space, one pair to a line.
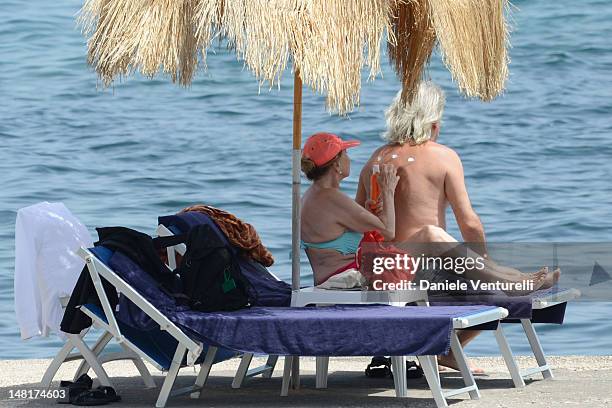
538,160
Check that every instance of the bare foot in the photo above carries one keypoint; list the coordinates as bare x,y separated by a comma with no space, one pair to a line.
552,279
448,361
542,272
537,280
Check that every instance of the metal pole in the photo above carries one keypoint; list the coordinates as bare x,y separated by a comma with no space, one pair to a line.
296,164
295,205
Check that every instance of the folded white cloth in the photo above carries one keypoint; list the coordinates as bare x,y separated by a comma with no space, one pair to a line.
46,265
349,279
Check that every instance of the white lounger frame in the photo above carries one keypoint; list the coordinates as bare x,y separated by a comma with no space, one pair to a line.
186,346
313,295
243,372
518,376
91,357
321,297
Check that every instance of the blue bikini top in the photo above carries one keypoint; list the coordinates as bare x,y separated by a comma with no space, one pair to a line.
346,244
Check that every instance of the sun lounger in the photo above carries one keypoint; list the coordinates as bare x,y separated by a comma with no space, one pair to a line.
543,306
196,337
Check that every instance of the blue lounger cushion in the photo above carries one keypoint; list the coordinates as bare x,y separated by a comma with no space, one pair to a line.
343,330
519,307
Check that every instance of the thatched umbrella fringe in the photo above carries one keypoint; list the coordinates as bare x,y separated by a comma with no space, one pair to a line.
331,41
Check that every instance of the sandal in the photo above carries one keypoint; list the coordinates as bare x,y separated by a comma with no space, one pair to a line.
413,370
379,367
97,396
72,389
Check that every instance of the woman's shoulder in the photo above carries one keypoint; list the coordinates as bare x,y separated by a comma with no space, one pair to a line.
325,199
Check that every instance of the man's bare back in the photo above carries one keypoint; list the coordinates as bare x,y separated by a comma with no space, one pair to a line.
431,177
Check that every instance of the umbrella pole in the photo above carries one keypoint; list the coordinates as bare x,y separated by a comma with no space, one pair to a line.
295,193
295,204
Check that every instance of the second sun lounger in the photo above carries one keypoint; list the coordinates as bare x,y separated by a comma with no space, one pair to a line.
543,306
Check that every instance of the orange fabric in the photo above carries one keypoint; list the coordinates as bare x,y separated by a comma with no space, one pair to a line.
238,232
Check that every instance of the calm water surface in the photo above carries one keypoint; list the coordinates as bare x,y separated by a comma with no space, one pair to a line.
538,160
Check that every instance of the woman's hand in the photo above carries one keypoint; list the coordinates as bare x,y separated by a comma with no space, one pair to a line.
388,178
375,207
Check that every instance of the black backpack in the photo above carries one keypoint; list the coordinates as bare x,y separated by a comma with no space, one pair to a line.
210,273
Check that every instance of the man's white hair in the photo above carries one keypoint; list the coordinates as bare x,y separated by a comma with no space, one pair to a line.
412,122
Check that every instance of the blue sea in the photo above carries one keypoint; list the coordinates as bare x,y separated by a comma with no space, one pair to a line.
538,160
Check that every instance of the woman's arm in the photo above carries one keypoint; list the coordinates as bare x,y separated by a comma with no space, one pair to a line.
354,217
388,180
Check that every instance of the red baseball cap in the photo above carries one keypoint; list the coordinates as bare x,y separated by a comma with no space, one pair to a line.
323,147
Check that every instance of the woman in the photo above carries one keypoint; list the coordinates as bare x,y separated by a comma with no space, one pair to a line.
332,223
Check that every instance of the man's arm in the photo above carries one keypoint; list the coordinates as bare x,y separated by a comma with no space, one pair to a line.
468,221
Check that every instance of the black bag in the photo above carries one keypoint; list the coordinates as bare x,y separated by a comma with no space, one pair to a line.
210,274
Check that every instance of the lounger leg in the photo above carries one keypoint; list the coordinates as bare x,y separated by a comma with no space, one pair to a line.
506,352
56,364
286,376
96,350
429,365
245,361
398,365
270,363
433,361
461,360
91,358
536,347
295,373
141,367
321,371
171,376
205,367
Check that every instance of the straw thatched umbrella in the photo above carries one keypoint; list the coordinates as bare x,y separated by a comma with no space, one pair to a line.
328,42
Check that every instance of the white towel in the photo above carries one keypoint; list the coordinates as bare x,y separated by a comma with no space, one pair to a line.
46,265
349,279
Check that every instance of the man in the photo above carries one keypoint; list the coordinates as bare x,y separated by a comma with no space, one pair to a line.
431,174
430,178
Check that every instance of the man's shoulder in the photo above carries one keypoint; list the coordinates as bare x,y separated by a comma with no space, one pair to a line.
377,152
372,159
443,151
